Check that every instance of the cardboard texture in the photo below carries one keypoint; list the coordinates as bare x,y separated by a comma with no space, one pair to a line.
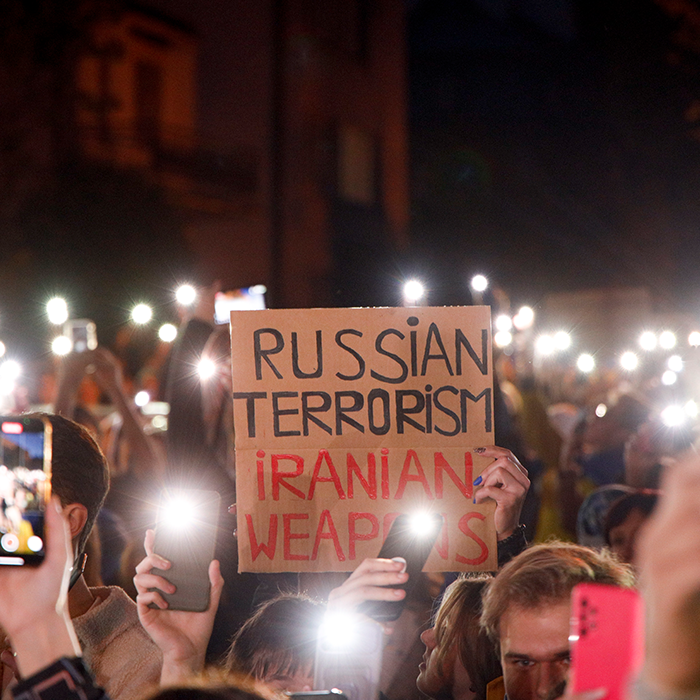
345,418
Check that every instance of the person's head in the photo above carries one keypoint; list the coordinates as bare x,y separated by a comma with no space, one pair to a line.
624,521
278,643
79,477
459,659
527,610
214,685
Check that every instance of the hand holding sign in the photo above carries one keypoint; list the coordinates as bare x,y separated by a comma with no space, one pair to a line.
505,481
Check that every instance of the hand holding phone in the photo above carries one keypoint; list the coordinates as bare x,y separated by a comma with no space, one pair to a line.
410,539
607,638
185,535
181,636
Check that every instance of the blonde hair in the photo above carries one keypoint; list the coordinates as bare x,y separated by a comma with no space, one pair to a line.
546,573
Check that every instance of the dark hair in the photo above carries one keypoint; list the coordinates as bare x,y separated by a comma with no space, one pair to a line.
644,500
79,470
279,638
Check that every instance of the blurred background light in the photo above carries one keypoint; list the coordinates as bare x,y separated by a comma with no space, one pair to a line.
673,416
585,363
544,345
503,322
675,363
648,341
413,291
61,345
141,314
479,283
167,332
185,295
57,311
667,340
562,340
629,361
503,339
669,378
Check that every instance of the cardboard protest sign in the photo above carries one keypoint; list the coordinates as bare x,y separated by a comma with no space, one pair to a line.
345,418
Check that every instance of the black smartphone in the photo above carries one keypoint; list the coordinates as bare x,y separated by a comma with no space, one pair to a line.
186,529
25,488
411,536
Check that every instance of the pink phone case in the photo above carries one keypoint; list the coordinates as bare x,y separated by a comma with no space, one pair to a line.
607,638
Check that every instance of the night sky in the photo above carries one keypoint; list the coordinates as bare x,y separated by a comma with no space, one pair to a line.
553,145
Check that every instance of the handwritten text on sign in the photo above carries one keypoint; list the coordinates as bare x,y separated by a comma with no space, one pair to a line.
345,418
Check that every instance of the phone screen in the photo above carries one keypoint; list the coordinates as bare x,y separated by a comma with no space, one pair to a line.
25,487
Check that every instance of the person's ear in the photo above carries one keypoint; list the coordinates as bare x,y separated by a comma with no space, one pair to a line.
77,515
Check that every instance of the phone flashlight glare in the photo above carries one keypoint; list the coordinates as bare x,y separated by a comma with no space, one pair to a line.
422,524
177,513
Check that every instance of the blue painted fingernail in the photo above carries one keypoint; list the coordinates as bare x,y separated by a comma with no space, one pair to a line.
478,480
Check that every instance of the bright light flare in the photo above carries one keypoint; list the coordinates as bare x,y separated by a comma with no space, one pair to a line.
524,318
2,348
10,370
562,340
339,629
206,368
673,416
691,409
479,283
629,361
141,398
585,363
141,314
178,513
61,345
422,524
167,332
675,363
667,340
694,339
413,291
600,410
503,339
669,378
258,289
648,341
503,322
545,345
185,295
57,311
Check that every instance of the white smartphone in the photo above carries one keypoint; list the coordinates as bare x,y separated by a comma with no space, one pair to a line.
349,655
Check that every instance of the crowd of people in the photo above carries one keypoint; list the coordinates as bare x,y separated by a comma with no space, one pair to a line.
581,495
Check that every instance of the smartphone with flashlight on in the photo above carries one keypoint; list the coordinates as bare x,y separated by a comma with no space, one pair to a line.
82,333
349,655
411,537
25,488
186,528
607,638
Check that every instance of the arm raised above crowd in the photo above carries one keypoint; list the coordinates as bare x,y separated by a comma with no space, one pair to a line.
181,636
33,602
669,560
